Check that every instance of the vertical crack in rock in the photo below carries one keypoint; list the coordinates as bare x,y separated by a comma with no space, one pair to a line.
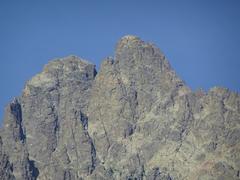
14,143
16,111
84,121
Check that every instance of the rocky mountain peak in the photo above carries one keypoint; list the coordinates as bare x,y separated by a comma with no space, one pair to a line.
135,119
61,71
66,64
128,41
134,58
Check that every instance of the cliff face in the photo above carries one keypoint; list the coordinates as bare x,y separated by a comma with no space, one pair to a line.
135,119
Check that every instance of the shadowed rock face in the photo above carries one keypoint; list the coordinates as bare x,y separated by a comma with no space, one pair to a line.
135,119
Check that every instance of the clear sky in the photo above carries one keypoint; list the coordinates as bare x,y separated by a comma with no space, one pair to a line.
201,38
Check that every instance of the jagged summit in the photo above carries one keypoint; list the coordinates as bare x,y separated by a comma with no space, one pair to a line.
128,39
135,119
67,64
60,71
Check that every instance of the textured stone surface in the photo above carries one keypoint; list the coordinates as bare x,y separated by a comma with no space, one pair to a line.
135,119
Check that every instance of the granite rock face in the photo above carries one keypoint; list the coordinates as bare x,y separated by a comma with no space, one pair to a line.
135,119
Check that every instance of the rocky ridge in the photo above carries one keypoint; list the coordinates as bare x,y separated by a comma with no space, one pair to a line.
134,119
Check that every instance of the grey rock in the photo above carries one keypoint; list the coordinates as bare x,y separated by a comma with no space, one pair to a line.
6,169
135,119
13,144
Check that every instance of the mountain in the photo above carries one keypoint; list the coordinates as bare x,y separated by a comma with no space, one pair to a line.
134,119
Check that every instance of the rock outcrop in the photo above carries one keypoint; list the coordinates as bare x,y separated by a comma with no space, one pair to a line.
135,119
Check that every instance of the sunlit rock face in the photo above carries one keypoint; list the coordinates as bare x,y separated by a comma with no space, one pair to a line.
134,119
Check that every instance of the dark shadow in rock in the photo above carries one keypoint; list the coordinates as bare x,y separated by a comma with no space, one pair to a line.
34,170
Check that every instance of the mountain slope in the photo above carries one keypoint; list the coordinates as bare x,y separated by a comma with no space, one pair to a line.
135,119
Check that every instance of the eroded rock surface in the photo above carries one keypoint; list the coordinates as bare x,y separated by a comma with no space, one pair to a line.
135,119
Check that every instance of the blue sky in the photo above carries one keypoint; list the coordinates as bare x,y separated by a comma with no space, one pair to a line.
201,38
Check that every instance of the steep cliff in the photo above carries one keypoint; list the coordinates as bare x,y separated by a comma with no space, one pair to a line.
135,119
